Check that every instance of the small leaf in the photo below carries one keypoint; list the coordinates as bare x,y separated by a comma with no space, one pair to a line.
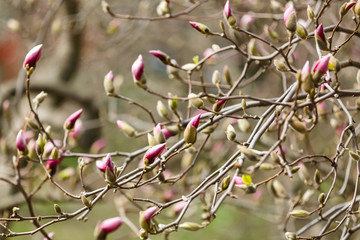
196,59
247,179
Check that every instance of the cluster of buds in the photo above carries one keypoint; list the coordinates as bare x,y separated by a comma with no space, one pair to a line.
137,70
106,227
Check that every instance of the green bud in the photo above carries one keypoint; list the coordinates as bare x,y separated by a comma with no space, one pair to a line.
225,183
57,209
280,66
248,153
243,125
267,166
109,176
317,177
230,133
151,140
334,64
195,101
278,189
354,155
190,226
299,213
33,125
85,201
321,198
190,134
290,236
298,126
172,103
161,109
216,78
301,31
310,13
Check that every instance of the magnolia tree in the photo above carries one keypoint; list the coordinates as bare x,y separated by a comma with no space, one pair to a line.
292,156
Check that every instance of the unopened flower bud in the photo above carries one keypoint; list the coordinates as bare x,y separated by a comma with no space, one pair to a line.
334,64
299,213
321,198
225,183
357,8
278,189
172,103
137,70
126,128
290,236
317,177
40,144
33,125
216,78
163,57
301,31
218,105
271,33
85,201
243,125
57,209
32,57
200,27
104,163
145,217
250,154
109,82
161,109
290,19
320,68
320,38
195,101
190,226
39,98
227,75
345,8
158,134
280,66
354,155
152,153
230,133
310,13
227,14
20,143
106,227
190,132
267,166
70,121
163,8
110,177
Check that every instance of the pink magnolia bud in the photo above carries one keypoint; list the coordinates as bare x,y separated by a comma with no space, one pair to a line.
152,153
219,105
190,132
109,82
158,134
321,67
227,9
200,27
238,180
106,227
70,121
52,164
77,129
104,163
306,69
6,106
20,142
98,145
148,213
167,133
32,57
247,20
195,121
137,68
290,19
163,57
179,206
320,32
